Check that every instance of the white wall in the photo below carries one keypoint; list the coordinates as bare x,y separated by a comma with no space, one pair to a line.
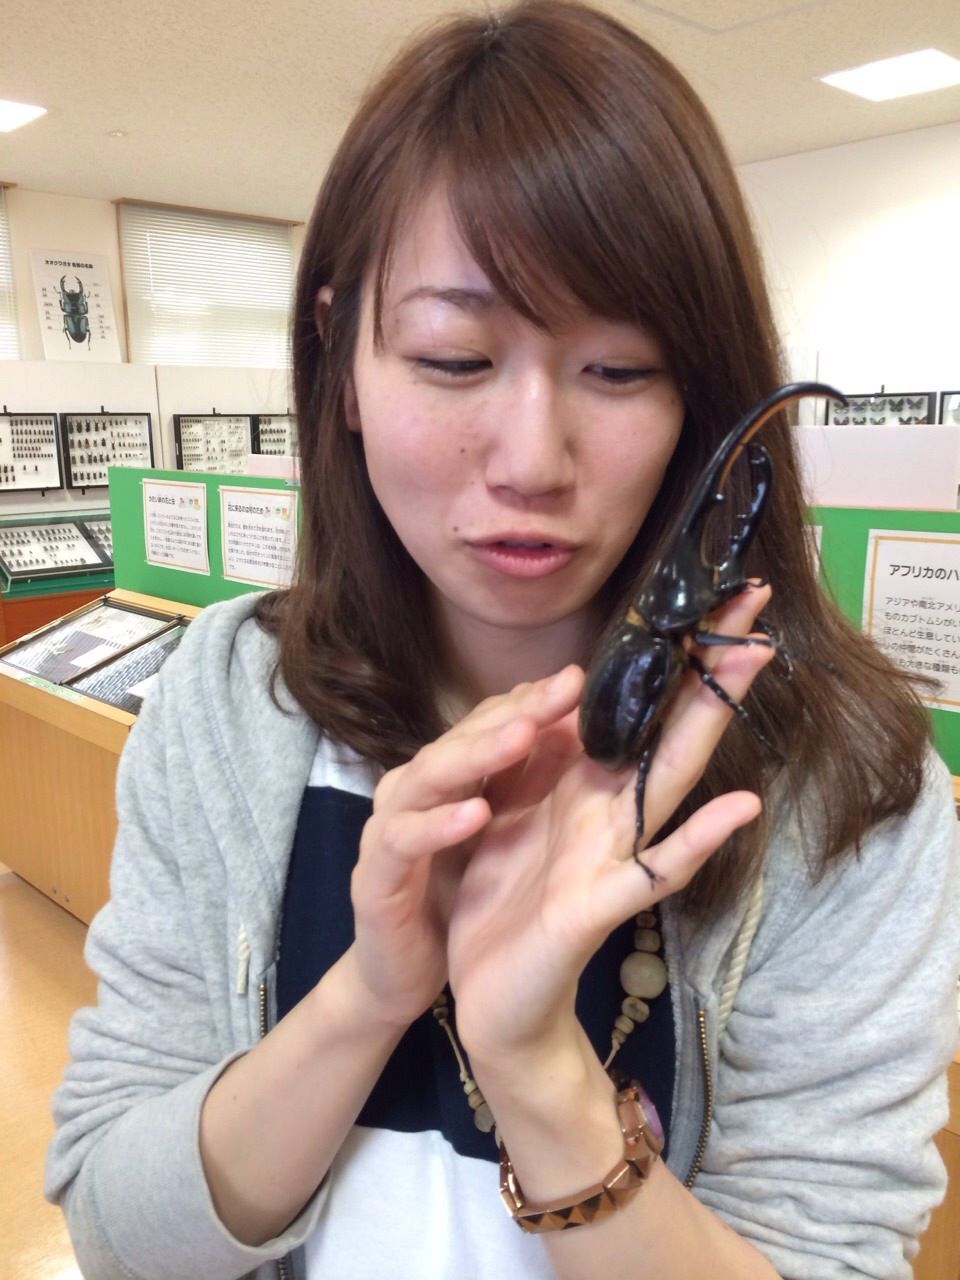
862,245
39,220
68,224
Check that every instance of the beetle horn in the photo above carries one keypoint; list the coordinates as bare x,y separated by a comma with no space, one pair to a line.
709,490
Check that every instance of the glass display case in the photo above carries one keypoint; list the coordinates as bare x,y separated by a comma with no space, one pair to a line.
92,442
213,441
122,681
276,433
66,547
29,453
883,409
86,642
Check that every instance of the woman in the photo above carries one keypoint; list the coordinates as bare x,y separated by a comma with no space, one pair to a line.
529,306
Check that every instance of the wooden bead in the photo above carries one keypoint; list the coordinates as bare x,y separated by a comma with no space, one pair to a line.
643,974
623,1024
483,1118
646,919
646,940
636,1009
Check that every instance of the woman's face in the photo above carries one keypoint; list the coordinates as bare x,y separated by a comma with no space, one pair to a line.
515,465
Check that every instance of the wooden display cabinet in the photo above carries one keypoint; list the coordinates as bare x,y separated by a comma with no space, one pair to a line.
58,759
21,615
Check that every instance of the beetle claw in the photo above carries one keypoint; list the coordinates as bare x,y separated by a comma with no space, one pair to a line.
651,875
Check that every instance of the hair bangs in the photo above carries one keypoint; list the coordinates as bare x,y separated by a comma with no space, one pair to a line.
542,188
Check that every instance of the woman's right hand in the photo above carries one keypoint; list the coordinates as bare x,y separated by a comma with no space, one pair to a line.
415,844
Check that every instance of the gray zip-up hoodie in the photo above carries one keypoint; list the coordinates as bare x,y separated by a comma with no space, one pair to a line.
811,1115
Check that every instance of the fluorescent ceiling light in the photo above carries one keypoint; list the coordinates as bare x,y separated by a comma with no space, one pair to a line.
899,77
14,114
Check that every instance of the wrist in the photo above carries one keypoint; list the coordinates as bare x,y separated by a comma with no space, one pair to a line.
504,1049
557,1100
342,996
560,1128
642,1144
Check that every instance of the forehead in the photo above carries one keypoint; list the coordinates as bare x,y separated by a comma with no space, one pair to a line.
428,252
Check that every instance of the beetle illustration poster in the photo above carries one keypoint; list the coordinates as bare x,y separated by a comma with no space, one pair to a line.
75,306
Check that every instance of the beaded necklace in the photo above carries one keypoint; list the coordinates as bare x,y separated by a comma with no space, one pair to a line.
643,976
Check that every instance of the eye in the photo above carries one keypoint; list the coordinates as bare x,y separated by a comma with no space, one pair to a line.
452,368
620,375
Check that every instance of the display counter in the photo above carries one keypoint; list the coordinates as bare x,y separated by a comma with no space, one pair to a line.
59,748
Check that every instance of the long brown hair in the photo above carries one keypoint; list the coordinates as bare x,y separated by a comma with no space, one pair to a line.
579,163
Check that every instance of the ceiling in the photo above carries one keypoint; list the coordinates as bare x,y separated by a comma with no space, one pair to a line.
237,105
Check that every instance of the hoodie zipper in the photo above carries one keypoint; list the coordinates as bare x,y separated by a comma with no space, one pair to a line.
282,1271
708,1100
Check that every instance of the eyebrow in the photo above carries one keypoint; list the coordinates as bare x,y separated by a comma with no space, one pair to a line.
465,299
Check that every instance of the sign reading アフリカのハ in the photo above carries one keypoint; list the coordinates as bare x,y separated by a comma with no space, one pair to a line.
911,605
75,306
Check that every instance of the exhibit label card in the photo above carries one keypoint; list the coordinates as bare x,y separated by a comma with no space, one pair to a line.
911,605
175,525
75,306
258,535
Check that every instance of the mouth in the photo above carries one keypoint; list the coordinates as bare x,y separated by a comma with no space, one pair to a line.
525,541
528,556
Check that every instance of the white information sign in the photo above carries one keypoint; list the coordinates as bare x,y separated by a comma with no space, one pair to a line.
175,525
911,605
75,306
258,535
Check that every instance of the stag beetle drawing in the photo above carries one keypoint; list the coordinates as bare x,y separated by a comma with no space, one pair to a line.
636,674
73,304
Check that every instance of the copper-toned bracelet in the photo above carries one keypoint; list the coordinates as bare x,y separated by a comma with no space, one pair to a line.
642,1144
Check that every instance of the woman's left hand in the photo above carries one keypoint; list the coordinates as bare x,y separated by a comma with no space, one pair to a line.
553,873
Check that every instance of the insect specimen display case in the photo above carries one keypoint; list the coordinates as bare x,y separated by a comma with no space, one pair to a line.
92,442
49,565
883,409
69,694
221,442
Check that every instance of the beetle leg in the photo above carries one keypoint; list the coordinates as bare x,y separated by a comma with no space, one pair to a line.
734,706
770,641
714,637
783,657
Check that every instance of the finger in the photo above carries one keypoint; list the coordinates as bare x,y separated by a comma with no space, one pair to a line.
737,615
695,722
674,861
392,846
557,745
528,698
455,765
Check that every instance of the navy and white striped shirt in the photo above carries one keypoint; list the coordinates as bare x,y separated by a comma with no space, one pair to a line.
416,1183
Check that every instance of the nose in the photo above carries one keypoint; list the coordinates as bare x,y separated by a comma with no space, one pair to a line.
531,440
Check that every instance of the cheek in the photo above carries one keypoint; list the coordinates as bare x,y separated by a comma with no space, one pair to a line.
633,476
409,452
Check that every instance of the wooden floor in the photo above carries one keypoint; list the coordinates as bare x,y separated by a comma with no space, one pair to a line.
42,981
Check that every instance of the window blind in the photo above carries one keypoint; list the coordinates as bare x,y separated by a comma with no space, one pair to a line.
204,288
9,336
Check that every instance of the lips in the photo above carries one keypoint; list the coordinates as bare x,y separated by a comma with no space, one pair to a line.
534,539
523,555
